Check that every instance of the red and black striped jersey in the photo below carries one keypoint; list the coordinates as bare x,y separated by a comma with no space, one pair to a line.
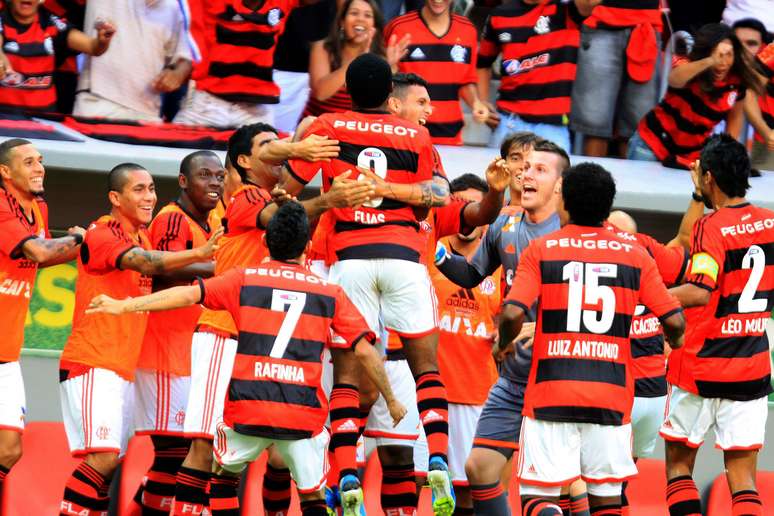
647,337
675,130
766,102
285,315
539,47
395,149
588,282
31,50
726,352
618,14
240,49
339,102
446,62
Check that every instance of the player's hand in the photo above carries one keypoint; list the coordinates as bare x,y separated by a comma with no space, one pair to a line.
316,148
207,250
5,65
76,230
494,117
397,411
498,354
696,176
527,332
480,112
498,175
279,196
103,304
168,80
378,182
348,193
724,47
396,49
302,127
770,140
105,31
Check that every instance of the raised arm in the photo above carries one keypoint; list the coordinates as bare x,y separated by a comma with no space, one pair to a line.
498,177
168,299
97,46
681,74
151,263
694,212
427,194
53,251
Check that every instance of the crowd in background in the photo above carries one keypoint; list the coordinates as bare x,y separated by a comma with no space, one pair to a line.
561,68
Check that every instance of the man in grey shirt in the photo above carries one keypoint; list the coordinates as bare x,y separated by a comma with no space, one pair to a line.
500,421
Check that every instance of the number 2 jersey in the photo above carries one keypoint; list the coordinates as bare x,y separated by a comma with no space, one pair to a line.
588,283
726,352
395,149
284,315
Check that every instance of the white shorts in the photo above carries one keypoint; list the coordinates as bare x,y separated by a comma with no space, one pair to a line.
553,454
294,93
203,108
160,400
97,412
399,290
739,425
307,459
212,359
13,404
647,416
462,429
379,425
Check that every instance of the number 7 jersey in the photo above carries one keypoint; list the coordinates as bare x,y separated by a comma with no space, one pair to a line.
726,353
587,282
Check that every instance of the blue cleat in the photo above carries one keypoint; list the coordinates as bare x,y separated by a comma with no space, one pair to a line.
351,494
439,479
332,499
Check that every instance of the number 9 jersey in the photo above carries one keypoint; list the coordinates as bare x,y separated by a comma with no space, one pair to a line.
726,353
588,283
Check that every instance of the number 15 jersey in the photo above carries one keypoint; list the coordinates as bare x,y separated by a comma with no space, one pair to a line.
726,353
588,282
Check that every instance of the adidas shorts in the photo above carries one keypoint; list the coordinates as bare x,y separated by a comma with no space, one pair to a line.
462,427
12,401
399,290
553,454
379,425
97,412
647,416
212,359
307,459
739,425
160,400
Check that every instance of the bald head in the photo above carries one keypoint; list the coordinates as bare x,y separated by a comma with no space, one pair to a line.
622,221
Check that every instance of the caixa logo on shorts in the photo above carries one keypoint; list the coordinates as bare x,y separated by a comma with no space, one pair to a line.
514,66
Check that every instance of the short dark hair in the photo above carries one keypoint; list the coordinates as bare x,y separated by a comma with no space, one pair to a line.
729,163
401,82
543,145
7,146
588,191
369,81
287,232
521,138
468,181
241,142
754,24
118,175
187,164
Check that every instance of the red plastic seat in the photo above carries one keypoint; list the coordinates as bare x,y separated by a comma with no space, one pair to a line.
647,492
36,483
719,503
138,458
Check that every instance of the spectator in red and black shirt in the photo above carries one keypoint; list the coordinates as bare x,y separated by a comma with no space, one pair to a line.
538,41
31,38
443,51
703,91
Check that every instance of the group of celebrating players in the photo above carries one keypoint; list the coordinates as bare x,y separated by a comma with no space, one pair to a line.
226,326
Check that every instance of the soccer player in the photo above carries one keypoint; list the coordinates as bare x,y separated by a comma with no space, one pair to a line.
537,166
722,377
284,314
467,323
253,151
377,252
26,245
577,406
443,49
163,377
98,362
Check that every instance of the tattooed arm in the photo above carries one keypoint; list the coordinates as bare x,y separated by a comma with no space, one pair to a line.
169,299
161,262
427,194
52,251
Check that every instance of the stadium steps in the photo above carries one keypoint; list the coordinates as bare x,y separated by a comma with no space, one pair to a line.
719,503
